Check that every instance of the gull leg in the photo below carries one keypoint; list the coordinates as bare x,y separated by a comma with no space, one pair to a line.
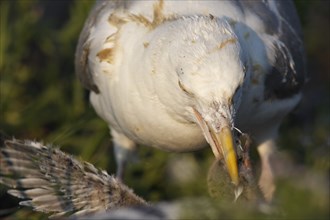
124,150
267,151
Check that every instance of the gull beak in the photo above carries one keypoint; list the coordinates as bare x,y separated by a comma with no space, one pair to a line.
222,144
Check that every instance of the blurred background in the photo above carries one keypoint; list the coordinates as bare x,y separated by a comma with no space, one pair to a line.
41,99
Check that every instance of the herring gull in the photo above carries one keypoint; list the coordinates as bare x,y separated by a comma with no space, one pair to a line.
182,75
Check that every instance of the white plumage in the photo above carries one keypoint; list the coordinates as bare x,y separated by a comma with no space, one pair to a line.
178,74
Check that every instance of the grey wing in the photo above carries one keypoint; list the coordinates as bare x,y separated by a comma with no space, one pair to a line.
83,71
54,182
281,22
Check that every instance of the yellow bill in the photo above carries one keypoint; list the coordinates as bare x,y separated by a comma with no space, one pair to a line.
226,141
222,145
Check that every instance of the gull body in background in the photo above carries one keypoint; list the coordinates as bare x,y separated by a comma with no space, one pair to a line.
182,75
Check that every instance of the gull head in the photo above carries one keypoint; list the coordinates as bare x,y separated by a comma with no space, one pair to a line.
211,70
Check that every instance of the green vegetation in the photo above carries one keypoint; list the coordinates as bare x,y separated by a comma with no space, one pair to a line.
41,99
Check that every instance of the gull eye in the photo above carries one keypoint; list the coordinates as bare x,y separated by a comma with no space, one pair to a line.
184,88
